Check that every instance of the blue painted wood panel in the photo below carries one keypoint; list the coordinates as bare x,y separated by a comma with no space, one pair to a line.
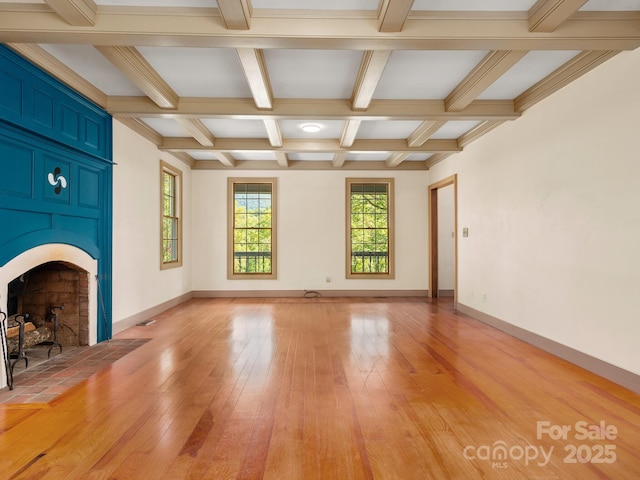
16,169
11,92
34,100
55,171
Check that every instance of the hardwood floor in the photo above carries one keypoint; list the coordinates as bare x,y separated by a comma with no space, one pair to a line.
327,389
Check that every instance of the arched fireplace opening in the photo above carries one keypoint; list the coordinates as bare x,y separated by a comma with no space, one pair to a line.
54,284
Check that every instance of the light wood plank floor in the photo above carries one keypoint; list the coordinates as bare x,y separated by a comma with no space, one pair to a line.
327,389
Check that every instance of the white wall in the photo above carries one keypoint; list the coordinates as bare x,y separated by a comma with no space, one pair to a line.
311,231
138,282
552,203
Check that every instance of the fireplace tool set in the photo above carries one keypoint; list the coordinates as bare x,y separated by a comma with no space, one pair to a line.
24,334
5,349
55,321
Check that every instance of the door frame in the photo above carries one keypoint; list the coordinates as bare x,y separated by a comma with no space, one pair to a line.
433,235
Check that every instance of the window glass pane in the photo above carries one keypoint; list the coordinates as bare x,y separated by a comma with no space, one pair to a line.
170,220
369,222
168,203
265,220
264,187
252,220
170,239
264,203
167,183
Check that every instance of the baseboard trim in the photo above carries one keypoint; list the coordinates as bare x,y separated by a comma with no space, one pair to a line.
149,313
301,293
615,374
446,293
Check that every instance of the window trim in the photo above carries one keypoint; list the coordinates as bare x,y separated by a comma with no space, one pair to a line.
231,182
177,174
390,275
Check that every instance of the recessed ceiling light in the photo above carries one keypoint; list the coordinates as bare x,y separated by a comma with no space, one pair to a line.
310,127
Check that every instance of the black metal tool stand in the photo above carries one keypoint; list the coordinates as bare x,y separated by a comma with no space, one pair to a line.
53,317
20,355
5,349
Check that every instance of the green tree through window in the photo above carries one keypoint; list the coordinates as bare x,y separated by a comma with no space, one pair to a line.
170,238
370,227
253,228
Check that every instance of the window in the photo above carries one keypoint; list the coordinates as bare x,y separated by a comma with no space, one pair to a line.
370,228
171,226
252,228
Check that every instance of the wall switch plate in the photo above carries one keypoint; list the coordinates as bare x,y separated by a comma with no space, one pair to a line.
465,232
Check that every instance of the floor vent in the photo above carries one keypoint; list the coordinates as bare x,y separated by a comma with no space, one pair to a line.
145,323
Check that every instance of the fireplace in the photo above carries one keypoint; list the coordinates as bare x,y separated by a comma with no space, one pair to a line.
56,192
50,285
54,275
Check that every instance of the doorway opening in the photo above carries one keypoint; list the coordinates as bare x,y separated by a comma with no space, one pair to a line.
437,276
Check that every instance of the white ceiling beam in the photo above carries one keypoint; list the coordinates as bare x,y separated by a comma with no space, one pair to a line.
392,14
396,159
197,130
349,133
255,71
547,15
48,62
225,158
567,73
463,31
312,109
424,132
133,65
338,159
282,159
371,68
490,68
235,13
79,13
273,132
307,145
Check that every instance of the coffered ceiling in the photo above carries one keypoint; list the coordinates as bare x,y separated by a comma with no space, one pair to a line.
387,84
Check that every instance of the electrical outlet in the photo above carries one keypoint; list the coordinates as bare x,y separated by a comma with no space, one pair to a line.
327,279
